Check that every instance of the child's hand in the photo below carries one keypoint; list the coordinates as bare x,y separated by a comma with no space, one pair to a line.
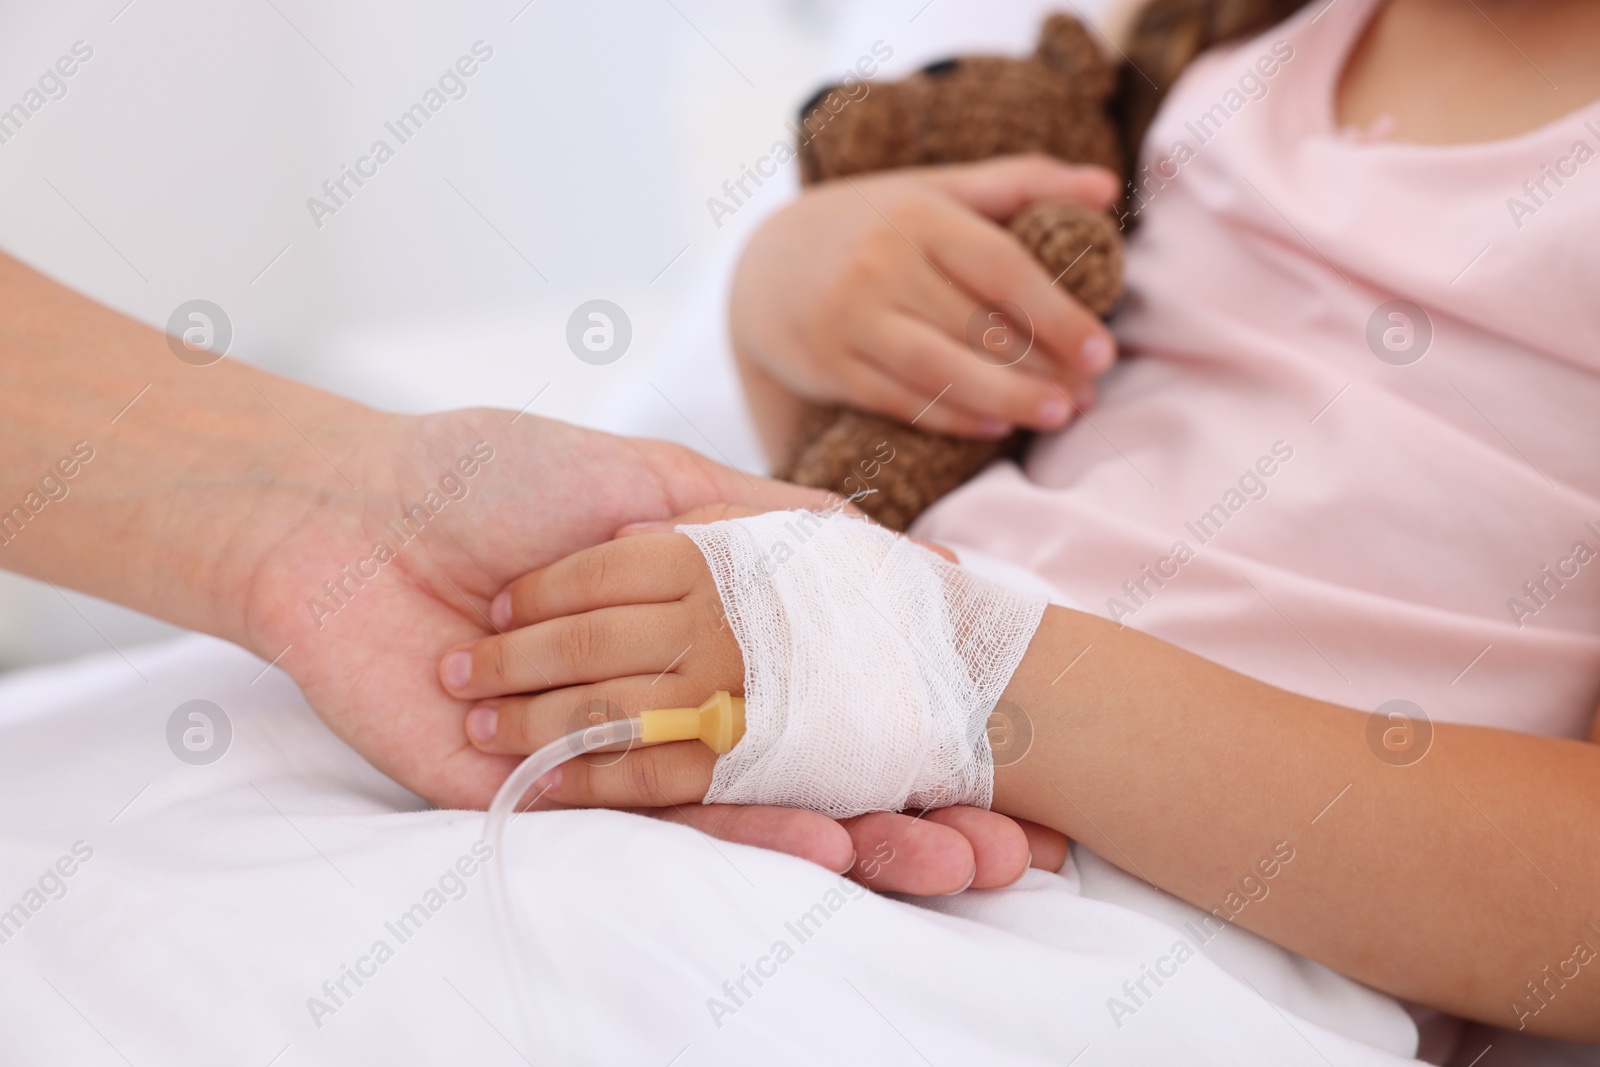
862,291
637,624
633,624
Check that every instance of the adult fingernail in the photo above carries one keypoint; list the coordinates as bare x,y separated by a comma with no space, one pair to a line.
481,723
456,670
973,877
500,610
847,868
548,780
994,427
1096,355
1052,412
1083,397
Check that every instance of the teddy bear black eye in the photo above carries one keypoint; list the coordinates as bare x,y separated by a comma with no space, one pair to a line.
941,68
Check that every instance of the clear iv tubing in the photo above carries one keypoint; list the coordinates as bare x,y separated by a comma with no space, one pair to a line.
506,802
718,723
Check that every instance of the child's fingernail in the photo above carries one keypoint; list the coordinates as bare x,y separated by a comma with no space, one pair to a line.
994,427
638,528
1096,355
456,670
500,610
481,723
548,780
847,868
1053,412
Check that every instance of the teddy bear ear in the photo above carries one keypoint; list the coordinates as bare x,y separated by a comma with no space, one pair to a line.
1066,45
815,101
815,160
848,129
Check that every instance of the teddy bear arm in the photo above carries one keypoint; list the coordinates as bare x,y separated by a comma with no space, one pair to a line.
1080,247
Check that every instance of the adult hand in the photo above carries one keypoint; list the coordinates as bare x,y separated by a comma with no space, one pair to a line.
351,547
365,590
533,680
861,291
365,650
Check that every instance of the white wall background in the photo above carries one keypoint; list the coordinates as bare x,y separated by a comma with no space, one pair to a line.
179,163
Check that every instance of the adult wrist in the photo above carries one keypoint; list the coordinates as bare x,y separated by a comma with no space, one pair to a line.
299,462
138,477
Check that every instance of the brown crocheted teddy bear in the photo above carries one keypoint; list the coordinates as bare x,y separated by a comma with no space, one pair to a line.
958,111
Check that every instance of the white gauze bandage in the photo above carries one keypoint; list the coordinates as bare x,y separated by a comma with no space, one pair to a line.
871,665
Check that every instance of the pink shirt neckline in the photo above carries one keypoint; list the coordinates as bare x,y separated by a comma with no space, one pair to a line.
1339,59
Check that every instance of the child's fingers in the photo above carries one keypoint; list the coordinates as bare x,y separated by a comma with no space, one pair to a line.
993,266
954,312
640,570
653,776
958,314
999,846
873,388
574,649
922,356
999,188
518,725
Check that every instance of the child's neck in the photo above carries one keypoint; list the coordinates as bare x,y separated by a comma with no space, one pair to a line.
1461,71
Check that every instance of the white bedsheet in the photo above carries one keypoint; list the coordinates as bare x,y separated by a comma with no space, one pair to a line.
218,899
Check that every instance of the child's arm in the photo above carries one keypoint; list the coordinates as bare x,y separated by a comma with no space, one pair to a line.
861,292
1454,881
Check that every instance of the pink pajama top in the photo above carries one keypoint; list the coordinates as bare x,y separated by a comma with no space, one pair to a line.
1354,446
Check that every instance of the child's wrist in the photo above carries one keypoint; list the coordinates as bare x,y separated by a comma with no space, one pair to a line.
1032,735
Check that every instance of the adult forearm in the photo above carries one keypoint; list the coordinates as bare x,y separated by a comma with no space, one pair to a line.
132,475
187,477
1454,881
